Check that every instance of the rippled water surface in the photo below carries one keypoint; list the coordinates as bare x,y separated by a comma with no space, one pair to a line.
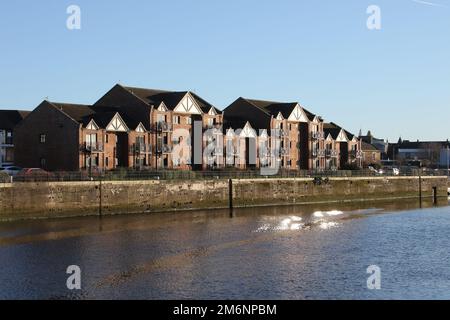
314,252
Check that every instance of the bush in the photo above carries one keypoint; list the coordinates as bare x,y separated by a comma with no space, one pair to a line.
4,177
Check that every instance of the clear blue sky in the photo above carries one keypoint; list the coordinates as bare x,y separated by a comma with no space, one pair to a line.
395,81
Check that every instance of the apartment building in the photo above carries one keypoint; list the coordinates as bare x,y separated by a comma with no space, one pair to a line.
288,129
143,128
71,137
177,121
342,148
8,120
127,128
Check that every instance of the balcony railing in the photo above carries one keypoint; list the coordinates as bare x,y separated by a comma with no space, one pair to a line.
216,126
356,154
164,126
317,135
164,149
141,148
321,153
284,151
329,153
90,147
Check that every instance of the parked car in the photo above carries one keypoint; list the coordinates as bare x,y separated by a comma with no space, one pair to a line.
11,170
33,174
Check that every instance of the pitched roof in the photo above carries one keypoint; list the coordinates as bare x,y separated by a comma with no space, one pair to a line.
273,108
350,135
170,98
75,111
241,111
101,115
331,129
368,147
10,118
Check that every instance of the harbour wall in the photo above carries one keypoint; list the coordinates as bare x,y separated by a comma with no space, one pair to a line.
35,200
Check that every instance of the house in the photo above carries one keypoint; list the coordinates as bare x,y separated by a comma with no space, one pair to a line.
8,120
371,155
279,133
379,144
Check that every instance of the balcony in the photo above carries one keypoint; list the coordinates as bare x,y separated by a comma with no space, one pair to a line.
139,148
329,153
317,135
164,149
356,154
164,126
92,147
215,126
284,152
321,153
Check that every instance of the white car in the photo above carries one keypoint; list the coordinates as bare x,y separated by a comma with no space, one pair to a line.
11,170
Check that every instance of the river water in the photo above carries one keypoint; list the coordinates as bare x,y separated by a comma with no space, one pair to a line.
290,252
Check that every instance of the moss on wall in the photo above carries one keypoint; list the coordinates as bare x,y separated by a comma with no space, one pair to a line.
64,199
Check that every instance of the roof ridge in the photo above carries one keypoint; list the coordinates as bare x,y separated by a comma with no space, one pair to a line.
250,102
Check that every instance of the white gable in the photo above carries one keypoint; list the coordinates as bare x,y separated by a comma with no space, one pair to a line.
248,131
230,133
342,137
92,125
280,116
212,112
329,137
140,128
298,114
162,107
263,134
117,124
316,119
188,105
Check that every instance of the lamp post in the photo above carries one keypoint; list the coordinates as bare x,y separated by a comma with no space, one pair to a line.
448,160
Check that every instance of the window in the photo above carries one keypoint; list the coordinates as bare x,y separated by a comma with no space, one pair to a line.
42,138
161,118
9,137
43,162
210,122
188,120
106,138
106,162
176,119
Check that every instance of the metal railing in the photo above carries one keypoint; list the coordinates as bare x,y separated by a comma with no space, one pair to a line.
164,126
92,147
141,148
